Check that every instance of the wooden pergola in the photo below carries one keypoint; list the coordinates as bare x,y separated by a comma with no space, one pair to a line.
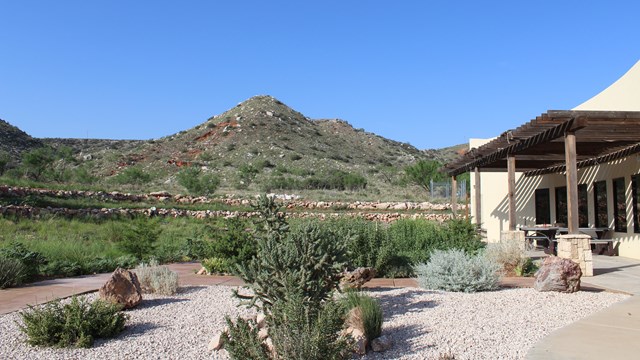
555,142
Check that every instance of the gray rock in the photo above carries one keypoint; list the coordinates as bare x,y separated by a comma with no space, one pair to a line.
558,274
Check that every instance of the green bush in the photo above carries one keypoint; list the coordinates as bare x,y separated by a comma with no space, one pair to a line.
139,238
366,313
133,175
216,265
156,279
75,324
455,270
234,244
198,183
12,272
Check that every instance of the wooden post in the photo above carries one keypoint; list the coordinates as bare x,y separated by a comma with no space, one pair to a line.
454,196
572,182
478,197
511,174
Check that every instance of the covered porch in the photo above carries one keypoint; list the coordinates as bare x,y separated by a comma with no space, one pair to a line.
561,146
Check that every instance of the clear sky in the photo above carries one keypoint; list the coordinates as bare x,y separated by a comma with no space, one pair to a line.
431,73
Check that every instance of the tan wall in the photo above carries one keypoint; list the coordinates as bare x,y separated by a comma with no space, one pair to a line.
495,207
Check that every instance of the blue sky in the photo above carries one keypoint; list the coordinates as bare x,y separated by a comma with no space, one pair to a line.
431,73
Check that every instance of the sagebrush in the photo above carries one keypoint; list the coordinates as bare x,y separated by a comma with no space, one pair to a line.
155,279
455,270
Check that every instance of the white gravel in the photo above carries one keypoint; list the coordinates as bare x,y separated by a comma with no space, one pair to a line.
423,324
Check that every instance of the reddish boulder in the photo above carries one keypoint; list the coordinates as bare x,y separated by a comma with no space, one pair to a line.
122,288
356,278
558,274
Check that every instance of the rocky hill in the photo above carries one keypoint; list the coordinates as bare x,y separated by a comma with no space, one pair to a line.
258,143
14,141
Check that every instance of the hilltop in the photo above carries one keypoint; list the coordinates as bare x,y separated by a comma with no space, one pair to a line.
260,145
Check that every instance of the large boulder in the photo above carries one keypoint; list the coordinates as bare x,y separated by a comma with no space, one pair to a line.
122,288
558,274
356,278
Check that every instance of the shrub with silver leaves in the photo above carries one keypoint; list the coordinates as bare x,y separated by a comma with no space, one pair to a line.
455,270
157,279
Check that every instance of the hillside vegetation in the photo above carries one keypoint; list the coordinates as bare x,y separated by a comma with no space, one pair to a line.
260,145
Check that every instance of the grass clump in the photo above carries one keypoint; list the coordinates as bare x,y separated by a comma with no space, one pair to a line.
12,272
155,279
511,256
365,314
75,324
455,270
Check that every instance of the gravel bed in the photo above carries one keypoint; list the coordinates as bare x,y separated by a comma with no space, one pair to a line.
423,324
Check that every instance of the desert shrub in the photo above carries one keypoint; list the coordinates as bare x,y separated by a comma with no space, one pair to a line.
509,254
83,176
139,238
133,175
246,174
75,324
293,319
31,260
242,341
216,265
309,259
11,272
156,279
393,250
526,268
198,183
297,331
365,313
455,270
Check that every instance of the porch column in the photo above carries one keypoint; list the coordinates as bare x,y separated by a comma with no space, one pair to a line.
454,196
574,246
478,198
511,174
572,182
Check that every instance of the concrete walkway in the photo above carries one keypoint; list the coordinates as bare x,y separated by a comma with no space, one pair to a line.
610,334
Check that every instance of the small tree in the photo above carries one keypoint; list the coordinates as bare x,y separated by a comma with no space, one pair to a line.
423,172
36,162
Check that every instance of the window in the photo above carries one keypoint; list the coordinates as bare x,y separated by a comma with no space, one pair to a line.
561,205
543,206
600,203
620,208
583,206
635,197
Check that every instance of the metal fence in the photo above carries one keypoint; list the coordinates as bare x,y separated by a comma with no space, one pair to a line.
442,190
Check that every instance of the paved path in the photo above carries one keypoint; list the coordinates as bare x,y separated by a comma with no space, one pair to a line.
40,292
610,334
